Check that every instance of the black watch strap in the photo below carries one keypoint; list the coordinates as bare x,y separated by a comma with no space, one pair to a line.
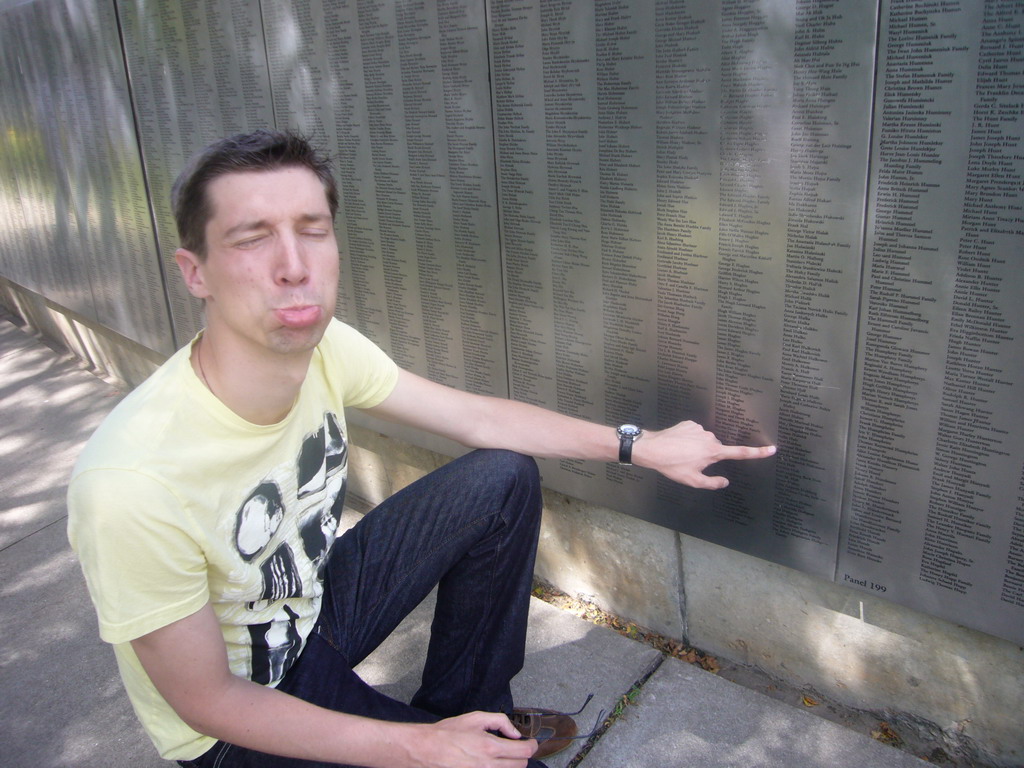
625,449
628,434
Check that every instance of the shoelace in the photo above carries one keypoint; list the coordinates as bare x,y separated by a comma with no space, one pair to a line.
525,719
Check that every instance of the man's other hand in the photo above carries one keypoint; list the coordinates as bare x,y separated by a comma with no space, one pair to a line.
469,741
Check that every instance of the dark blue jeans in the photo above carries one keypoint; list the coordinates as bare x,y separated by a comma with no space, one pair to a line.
470,528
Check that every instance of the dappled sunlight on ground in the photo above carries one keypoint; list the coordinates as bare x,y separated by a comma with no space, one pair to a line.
62,702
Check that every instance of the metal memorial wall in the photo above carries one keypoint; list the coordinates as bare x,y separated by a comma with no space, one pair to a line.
934,492
793,221
74,213
681,242
400,93
198,72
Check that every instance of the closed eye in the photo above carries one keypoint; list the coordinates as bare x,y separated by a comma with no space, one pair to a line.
250,242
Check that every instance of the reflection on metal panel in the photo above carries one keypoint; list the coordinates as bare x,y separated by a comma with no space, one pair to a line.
936,483
82,197
198,72
20,145
400,95
680,243
29,130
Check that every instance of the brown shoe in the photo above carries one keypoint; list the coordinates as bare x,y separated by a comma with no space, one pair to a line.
554,731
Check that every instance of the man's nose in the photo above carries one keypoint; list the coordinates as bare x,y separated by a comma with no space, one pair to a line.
291,261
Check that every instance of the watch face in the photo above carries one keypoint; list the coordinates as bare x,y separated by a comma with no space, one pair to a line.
629,430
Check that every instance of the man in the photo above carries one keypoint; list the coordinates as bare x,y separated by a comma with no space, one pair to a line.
204,509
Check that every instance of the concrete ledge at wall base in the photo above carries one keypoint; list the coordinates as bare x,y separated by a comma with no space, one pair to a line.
932,680
960,686
106,353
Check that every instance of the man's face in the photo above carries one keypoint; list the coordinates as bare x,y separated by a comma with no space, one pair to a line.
271,270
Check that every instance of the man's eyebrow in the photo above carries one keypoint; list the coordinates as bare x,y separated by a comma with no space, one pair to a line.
245,226
315,218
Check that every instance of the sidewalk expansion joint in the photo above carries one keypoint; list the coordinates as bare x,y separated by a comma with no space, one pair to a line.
625,701
30,534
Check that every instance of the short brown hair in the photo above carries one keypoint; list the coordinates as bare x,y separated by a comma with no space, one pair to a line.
257,151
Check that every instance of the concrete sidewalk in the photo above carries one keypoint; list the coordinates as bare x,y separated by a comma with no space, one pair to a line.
61,702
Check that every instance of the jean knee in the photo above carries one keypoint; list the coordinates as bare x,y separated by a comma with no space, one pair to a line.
509,473
518,468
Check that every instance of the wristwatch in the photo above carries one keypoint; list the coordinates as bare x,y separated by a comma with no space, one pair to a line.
628,434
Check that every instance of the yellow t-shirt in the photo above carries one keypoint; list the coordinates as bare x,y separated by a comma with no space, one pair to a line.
176,502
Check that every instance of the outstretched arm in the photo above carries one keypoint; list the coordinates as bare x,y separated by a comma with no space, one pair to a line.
681,453
187,662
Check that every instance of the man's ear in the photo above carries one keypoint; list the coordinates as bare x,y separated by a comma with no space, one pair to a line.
191,267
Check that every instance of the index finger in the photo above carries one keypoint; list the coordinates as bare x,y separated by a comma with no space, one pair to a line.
745,452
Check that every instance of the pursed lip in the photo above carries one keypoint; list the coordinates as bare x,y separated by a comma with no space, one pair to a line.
299,315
